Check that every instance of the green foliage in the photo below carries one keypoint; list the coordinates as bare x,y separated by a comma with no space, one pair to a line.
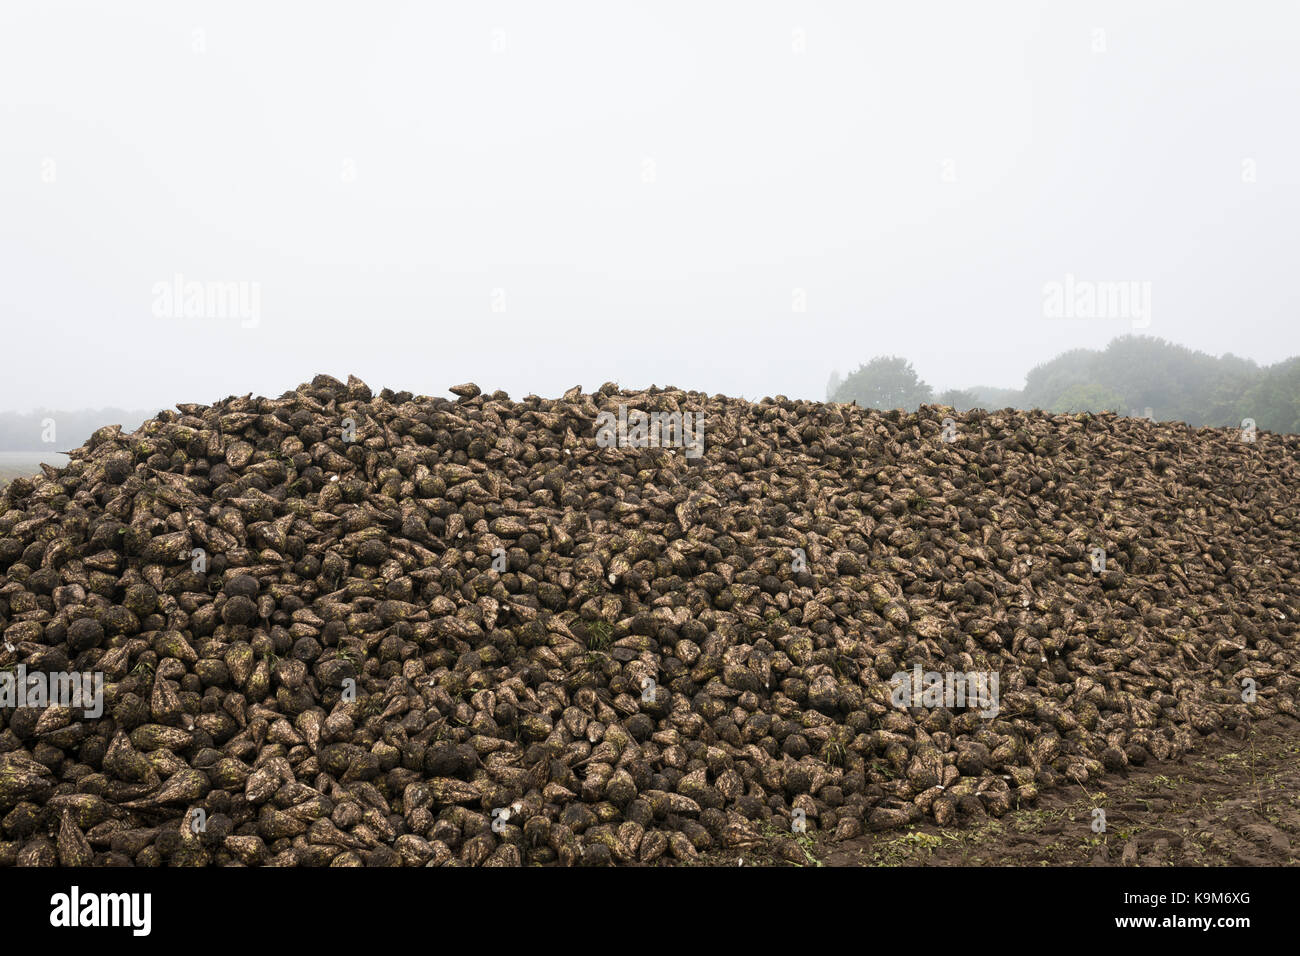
599,635
885,382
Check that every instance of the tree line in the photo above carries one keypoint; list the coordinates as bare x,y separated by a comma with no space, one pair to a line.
1133,374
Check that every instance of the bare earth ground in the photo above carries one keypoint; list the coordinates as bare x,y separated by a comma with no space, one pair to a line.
1232,802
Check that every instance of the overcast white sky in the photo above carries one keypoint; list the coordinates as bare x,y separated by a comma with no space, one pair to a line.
535,195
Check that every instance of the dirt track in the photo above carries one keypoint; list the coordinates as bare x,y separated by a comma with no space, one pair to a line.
1232,802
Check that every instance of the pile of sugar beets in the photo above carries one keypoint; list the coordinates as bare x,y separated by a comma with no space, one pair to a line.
343,629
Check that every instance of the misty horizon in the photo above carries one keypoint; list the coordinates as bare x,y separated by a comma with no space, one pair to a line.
587,386
746,199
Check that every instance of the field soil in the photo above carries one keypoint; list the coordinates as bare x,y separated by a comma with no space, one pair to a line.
1234,801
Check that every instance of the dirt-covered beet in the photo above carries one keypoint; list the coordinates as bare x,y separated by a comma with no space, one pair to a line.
343,629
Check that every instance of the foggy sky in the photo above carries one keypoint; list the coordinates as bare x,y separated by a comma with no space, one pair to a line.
538,195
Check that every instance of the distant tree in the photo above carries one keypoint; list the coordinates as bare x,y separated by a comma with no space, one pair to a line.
1274,400
1177,383
987,396
1046,382
1087,398
959,398
1233,381
885,382
1151,373
1133,373
833,384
